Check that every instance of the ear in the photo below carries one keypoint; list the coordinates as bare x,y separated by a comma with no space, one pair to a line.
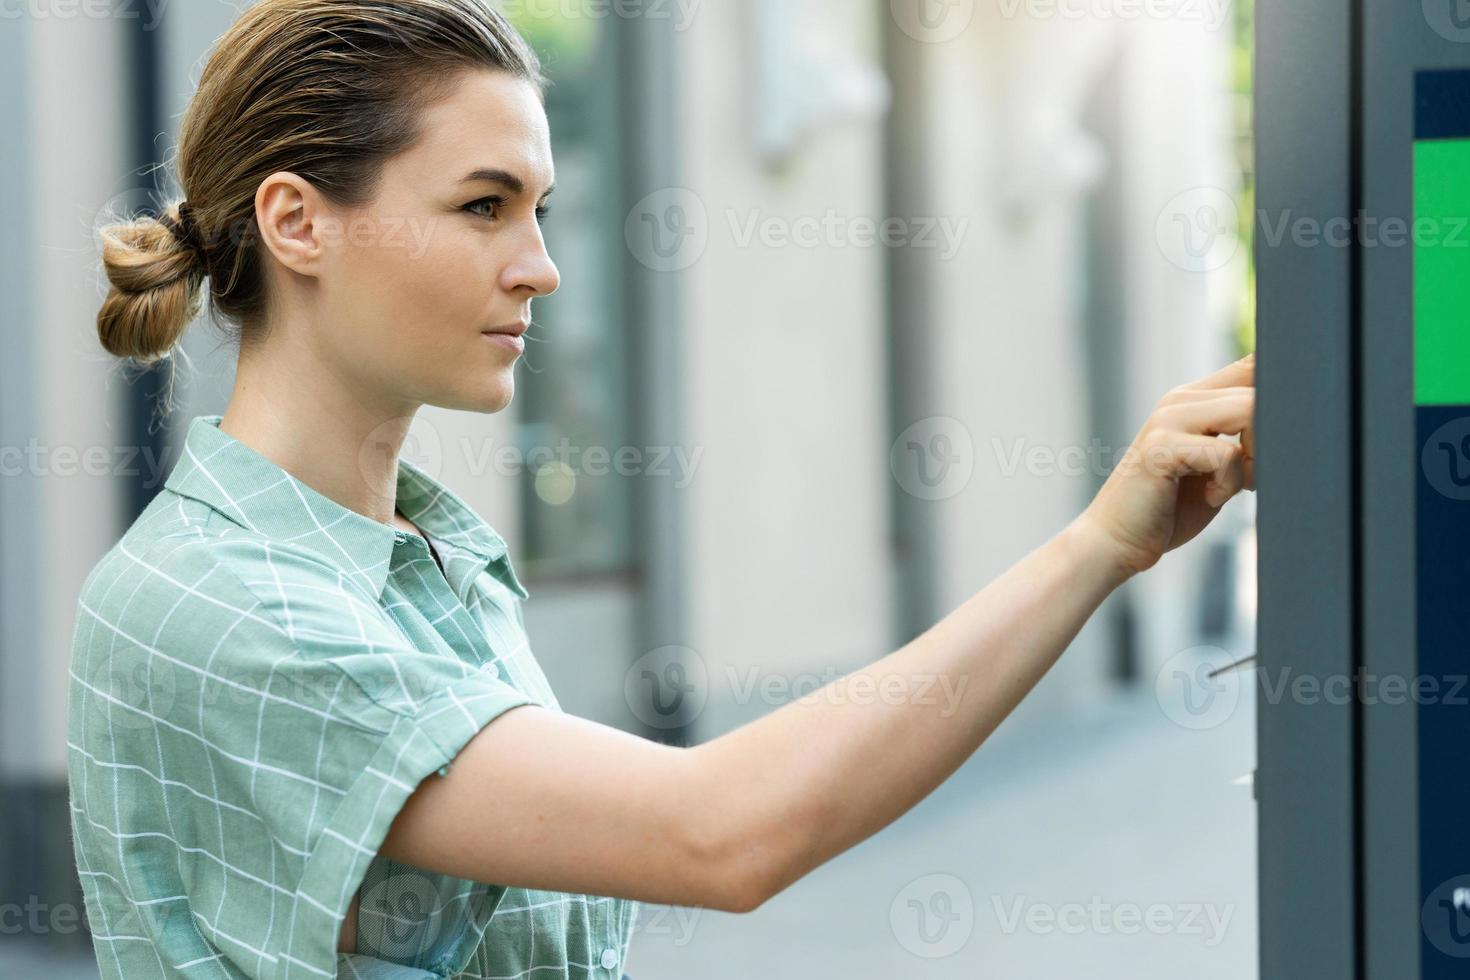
293,221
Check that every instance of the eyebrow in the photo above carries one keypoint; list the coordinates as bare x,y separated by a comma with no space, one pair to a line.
513,183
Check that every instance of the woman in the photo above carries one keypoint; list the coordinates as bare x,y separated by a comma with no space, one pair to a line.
274,668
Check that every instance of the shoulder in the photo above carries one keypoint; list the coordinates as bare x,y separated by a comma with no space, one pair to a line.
184,581
211,602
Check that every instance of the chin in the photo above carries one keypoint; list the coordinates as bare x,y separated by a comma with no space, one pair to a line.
488,400
484,391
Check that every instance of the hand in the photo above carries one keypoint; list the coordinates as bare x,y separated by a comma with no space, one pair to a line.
1178,472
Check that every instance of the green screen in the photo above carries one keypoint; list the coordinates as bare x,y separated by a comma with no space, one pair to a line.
1442,272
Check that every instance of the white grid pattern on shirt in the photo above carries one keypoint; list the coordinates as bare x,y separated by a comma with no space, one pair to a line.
278,612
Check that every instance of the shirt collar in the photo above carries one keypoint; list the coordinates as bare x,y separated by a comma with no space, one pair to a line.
250,490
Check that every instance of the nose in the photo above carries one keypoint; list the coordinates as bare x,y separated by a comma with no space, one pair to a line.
532,268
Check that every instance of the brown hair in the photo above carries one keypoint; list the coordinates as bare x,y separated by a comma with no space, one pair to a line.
326,89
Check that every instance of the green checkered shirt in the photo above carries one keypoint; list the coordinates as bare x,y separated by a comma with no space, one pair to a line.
260,677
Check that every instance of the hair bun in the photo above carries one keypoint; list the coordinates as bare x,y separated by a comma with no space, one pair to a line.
155,266
185,229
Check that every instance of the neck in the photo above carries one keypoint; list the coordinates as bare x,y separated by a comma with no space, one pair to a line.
290,408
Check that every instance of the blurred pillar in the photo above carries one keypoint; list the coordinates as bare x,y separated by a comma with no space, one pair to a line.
788,555
62,507
990,360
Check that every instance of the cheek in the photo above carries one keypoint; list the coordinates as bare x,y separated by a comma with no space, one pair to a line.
430,278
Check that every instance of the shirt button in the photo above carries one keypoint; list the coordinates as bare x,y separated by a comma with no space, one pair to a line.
400,538
492,670
609,958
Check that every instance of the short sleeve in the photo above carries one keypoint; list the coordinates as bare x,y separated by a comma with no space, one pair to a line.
287,722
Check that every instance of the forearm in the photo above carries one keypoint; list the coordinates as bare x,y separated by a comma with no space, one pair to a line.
795,788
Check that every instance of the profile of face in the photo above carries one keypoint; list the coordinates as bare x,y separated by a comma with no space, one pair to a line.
394,298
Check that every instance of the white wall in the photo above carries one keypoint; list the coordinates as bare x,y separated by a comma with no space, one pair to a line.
1178,317
1005,148
75,384
1004,152
787,554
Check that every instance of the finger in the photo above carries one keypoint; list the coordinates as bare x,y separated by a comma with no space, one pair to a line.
1227,481
1222,415
1242,372
1184,395
1180,454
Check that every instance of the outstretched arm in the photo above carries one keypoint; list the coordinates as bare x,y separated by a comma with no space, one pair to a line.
545,800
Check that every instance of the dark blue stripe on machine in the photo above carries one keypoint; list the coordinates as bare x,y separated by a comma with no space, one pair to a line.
1441,689
1442,105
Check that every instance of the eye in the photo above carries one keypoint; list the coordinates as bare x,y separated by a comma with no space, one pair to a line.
493,202
497,202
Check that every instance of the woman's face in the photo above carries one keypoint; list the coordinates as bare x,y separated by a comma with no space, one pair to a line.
449,248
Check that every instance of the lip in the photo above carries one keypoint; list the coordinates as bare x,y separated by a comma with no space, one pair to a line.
510,341
508,336
512,329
